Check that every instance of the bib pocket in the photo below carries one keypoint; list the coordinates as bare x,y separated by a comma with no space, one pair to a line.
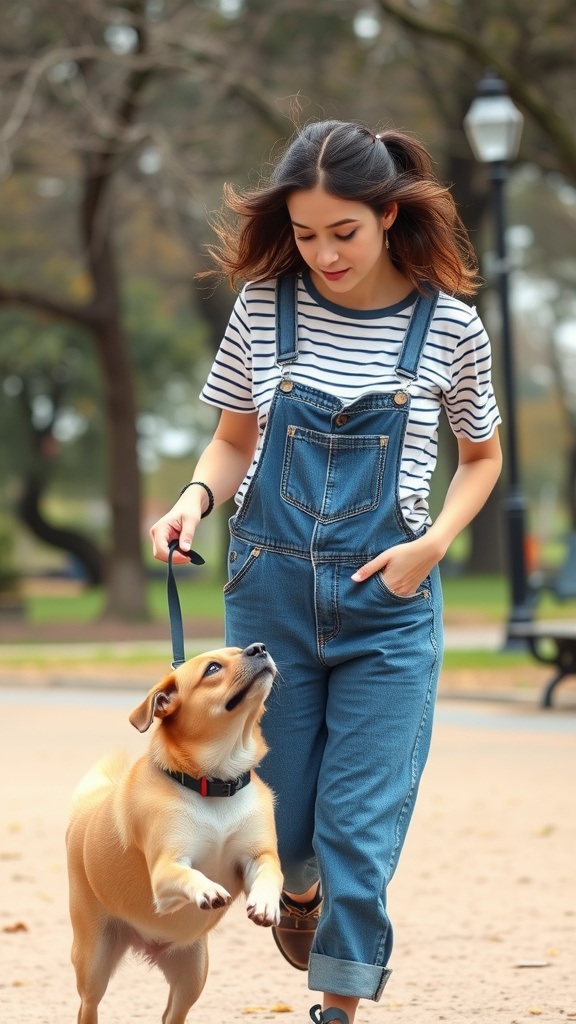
332,476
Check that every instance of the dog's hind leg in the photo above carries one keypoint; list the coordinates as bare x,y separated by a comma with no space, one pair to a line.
185,971
97,949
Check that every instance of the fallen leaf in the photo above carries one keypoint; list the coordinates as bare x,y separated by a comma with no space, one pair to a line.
19,926
535,1010
546,830
282,1008
253,1009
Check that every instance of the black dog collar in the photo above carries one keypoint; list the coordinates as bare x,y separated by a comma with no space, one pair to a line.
210,787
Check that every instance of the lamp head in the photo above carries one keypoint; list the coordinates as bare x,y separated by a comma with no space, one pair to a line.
493,124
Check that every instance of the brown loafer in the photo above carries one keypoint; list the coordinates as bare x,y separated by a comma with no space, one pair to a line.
294,934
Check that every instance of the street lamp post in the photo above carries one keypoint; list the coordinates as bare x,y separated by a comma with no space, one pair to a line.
493,126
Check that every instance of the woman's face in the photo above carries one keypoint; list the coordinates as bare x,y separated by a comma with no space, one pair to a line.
342,242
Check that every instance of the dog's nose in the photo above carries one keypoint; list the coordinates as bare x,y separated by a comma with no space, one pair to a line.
253,650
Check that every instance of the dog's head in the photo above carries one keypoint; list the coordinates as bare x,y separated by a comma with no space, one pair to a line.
213,702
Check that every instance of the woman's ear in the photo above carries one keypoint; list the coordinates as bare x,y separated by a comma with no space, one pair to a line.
389,215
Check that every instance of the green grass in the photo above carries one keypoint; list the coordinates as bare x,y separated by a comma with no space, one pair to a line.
197,599
487,597
497,660
104,654
201,598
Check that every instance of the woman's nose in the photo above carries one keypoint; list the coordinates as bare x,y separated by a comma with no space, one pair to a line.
327,255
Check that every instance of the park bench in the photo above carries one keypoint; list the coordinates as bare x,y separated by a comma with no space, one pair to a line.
553,642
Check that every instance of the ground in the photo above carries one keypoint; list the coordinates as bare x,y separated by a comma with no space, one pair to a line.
482,902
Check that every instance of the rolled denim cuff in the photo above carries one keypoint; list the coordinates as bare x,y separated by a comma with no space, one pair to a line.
347,978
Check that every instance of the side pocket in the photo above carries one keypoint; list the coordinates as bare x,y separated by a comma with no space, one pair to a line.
422,592
239,564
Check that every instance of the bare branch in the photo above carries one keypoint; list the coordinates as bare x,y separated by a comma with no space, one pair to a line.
86,316
108,126
555,127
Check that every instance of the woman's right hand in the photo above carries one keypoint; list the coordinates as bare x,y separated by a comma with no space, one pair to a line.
224,463
178,524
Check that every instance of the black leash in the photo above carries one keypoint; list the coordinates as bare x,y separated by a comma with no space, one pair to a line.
174,609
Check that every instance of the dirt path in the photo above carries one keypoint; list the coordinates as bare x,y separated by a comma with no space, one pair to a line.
483,903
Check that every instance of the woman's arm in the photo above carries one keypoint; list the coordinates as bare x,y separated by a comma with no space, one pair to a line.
406,565
222,466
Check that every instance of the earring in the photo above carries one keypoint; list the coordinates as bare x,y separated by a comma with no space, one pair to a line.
386,242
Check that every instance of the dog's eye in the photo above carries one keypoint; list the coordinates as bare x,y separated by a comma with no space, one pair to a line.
213,667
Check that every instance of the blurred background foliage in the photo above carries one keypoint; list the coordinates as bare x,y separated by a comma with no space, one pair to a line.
119,124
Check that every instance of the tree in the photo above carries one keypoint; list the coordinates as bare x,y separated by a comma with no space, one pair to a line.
79,108
143,110
530,45
97,95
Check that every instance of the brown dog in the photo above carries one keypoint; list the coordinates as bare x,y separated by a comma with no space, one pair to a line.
159,849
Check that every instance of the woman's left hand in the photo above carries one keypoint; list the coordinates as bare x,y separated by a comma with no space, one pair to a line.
403,567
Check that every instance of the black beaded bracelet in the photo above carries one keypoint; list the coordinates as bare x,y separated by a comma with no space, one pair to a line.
199,483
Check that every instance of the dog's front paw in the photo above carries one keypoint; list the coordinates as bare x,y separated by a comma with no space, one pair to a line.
213,898
262,910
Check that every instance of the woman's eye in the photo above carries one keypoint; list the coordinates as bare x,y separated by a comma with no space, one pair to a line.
213,667
304,238
344,238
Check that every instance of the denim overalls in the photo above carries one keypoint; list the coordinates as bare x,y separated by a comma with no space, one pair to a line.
349,720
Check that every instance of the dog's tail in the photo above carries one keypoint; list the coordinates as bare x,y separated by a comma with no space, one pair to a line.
100,779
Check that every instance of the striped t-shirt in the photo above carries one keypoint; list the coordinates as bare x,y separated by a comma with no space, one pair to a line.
350,352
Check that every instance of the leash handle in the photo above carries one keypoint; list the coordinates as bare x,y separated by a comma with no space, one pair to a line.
174,609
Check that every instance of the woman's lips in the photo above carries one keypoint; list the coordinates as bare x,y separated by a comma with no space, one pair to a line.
335,275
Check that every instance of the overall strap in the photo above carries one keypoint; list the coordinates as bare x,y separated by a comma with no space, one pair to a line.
409,358
286,334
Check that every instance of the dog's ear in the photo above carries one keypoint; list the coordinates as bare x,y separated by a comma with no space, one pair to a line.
162,700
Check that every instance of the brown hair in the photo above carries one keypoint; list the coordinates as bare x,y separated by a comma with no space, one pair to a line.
428,242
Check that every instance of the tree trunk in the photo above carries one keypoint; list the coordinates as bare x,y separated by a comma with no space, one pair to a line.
42,453
60,537
125,574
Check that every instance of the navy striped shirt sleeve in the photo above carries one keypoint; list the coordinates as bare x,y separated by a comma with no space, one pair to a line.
469,401
229,383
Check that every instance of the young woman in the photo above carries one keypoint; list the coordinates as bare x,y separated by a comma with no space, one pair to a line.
339,356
